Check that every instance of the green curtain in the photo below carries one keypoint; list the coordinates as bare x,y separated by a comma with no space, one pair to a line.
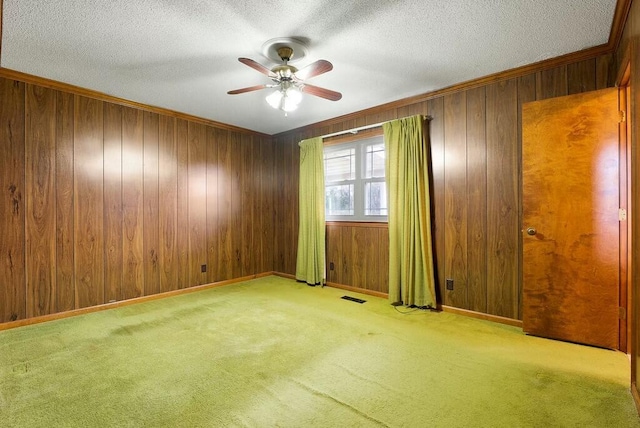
311,232
411,273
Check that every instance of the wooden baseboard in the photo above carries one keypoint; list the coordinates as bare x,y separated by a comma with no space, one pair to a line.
81,311
482,316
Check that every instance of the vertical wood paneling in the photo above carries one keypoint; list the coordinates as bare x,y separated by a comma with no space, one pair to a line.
581,76
246,193
113,202
526,93
151,218
551,83
132,203
267,149
383,259
89,203
40,208
212,206
605,71
476,200
168,203
455,188
236,204
12,209
225,270
65,274
281,228
182,238
346,265
436,132
255,204
197,203
292,185
502,199
334,253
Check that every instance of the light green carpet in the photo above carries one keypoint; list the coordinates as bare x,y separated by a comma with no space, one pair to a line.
273,352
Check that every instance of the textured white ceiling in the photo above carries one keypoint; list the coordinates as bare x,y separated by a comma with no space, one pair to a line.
182,55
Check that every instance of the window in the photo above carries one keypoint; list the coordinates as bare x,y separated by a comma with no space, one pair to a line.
355,188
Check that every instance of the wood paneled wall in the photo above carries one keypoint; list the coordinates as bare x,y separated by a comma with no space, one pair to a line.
358,255
102,202
476,154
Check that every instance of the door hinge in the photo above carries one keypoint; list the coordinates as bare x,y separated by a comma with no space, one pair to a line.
622,116
622,214
622,313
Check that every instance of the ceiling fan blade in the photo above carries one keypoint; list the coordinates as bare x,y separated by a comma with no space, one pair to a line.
249,89
256,66
314,69
321,92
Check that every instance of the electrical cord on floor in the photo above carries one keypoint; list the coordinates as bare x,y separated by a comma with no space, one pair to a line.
414,309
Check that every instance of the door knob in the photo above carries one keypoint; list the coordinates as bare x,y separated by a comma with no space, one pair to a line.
531,231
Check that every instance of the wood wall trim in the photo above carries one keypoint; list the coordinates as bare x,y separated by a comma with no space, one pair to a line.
379,224
480,315
586,54
77,90
619,21
122,303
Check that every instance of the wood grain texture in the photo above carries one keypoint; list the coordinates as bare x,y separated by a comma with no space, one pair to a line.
12,209
40,207
455,191
65,273
267,191
113,202
437,137
182,238
151,219
581,76
334,253
476,195
526,93
197,204
235,172
571,269
132,203
502,199
168,203
89,203
246,193
551,83
225,269
212,206
605,71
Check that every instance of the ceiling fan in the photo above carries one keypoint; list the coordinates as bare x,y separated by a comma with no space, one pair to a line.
289,82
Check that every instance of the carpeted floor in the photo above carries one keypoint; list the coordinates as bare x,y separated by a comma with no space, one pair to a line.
273,352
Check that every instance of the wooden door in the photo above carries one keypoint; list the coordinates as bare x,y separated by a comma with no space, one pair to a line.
570,215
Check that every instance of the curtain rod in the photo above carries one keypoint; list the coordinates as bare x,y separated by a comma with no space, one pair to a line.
360,128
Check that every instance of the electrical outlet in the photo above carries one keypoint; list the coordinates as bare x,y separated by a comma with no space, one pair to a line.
449,284
331,267
203,268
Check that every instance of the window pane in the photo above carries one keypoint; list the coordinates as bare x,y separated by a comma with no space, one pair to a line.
340,165
339,200
374,155
375,195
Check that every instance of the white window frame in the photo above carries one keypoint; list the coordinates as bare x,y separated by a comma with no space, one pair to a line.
359,182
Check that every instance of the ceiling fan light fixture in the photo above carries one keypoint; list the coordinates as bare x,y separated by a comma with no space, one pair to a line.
285,98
